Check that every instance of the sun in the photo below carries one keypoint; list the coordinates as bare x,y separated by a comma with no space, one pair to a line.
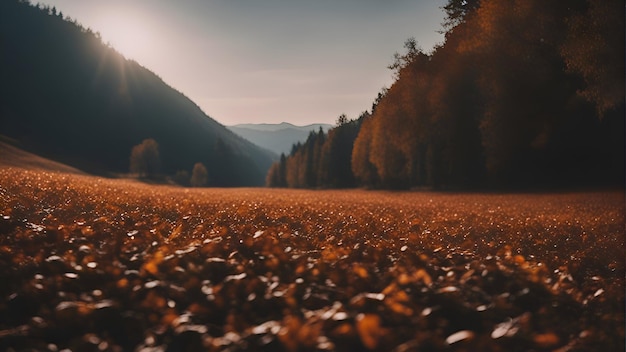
130,34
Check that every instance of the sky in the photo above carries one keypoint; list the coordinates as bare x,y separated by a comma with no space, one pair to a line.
266,61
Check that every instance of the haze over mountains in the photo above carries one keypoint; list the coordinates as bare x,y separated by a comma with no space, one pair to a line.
67,96
279,138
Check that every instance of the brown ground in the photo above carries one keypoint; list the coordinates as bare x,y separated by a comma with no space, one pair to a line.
94,264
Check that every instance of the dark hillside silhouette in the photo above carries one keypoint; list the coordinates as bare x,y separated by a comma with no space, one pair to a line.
11,155
66,95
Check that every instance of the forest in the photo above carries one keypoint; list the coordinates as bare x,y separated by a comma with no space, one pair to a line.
522,94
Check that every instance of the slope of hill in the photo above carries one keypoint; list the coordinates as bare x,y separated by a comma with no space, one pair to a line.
12,156
279,138
67,96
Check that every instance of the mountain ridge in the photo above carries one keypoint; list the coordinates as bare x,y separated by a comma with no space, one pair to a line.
281,126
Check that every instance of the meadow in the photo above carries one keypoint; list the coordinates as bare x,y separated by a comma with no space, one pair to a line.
94,264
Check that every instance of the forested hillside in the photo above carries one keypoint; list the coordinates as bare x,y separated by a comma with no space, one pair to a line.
323,160
277,138
66,95
521,94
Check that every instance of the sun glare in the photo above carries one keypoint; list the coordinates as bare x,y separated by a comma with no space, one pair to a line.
131,35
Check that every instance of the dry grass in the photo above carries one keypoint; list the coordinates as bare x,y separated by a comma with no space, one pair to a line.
95,264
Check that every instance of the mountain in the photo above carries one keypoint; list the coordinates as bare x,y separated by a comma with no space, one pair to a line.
279,138
66,96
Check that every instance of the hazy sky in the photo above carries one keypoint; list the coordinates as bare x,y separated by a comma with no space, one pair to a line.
255,61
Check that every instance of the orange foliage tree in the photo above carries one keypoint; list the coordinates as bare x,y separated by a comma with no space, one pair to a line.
144,159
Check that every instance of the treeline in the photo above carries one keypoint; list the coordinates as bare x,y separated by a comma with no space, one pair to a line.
524,93
323,160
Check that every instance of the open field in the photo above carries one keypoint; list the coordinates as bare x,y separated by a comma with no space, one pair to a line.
95,264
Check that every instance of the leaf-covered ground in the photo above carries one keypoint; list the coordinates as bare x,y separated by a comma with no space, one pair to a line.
92,264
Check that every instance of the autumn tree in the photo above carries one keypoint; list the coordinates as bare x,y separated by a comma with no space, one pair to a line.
336,154
594,48
455,105
457,11
144,159
342,120
301,168
292,169
363,169
199,175
388,160
323,160
272,179
401,126
277,174
378,99
521,93
525,87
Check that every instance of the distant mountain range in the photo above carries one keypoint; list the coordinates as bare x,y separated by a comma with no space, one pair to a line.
66,96
278,138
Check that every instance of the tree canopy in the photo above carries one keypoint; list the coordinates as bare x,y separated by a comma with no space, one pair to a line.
199,175
522,93
144,159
